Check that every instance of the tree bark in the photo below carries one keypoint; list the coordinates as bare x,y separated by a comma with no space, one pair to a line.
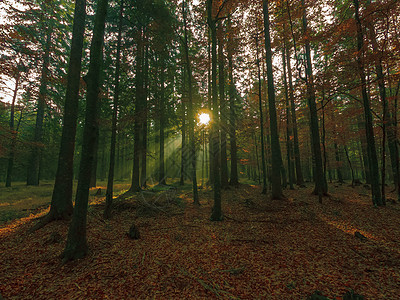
276,156
216,214
11,154
110,182
372,157
320,181
34,161
76,246
234,178
264,168
192,142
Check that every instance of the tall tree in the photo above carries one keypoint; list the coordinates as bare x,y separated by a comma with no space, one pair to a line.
76,246
276,156
320,181
234,178
34,161
260,107
110,182
372,157
61,201
192,143
216,214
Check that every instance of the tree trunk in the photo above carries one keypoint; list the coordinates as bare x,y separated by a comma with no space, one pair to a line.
11,154
192,142
76,246
93,174
139,112
372,157
276,156
296,148
61,201
34,161
217,210
234,179
110,182
288,125
183,147
223,107
161,170
320,181
143,175
264,168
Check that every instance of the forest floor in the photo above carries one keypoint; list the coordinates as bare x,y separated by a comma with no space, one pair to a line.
263,249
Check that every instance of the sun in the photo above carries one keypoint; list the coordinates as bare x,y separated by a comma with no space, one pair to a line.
204,118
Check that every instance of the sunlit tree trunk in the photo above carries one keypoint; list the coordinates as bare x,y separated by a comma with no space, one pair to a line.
161,115
76,246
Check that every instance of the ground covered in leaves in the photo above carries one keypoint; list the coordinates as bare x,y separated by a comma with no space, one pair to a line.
264,249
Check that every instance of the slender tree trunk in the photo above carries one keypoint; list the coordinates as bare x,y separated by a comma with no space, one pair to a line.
34,161
110,182
372,157
223,107
234,179
217,210
338,163
350,165
320,181
192,142
276,156
210,104
139,112
76,246
161,170
264,168
93,174
296,147
11,154
143,175
288,125
183,153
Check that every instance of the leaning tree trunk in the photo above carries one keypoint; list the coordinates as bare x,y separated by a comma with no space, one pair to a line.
217,210
192,142
276,156
76,246
61,201
110,182
34,161
372,157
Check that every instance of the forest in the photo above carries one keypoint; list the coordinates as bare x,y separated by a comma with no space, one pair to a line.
183,149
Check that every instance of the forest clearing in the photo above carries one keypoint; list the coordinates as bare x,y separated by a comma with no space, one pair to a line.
263,249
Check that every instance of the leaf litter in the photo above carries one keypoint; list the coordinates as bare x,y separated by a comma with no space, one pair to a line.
264,249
